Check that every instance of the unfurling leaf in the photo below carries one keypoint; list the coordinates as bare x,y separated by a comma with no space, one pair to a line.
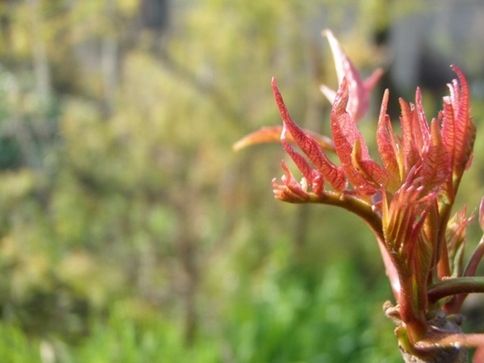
308,145
345,136
387,146
288,189
369,170
359,90
409,148
298,159
458,130
436,168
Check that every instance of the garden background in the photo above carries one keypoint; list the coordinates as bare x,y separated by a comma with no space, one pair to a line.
129,229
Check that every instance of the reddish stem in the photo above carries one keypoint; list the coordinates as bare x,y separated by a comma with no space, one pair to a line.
455,304
455,286
475,259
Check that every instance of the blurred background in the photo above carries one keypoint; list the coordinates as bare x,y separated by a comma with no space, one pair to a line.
129,229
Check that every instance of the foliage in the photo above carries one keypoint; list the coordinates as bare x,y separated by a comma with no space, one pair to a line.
406,200
129,231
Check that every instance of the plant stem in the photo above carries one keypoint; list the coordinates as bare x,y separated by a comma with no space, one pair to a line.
475,259
456,286
352,204
443,343
364,210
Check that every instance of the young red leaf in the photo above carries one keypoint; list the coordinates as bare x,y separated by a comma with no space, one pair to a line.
436,167
308,145
397,214
414,246
370,171
420,127
289,190
387,146
359,90
464,128
301,163
410,152
448,131
345,135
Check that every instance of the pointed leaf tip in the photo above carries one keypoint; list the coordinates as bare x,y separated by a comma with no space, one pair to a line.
309,145
359,91
328,93
455,68
462,79
373,79
288,189
464,129
341,61
267,134
387,146
272,134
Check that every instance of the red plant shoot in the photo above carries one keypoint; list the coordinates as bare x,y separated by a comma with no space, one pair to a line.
406,199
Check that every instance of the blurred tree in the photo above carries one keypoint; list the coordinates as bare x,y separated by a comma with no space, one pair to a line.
154,14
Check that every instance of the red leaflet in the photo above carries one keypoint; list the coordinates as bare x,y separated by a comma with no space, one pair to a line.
298,159
290,190
464,129
387,146
365,175
359,90
448,130
423,145
403,218
410,151
435,161
420,127
402,211
414,237
369,170
308,145
346,130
